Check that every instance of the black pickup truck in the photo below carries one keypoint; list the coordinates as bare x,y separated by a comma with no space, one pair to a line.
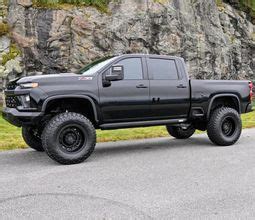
59,113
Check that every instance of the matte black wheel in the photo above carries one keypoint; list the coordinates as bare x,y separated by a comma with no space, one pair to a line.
32,137
69,138
224,127
181,132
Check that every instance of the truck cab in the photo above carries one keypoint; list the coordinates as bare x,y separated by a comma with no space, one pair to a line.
151,88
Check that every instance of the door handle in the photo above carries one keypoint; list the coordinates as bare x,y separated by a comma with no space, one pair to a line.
155,100
141,86
181,86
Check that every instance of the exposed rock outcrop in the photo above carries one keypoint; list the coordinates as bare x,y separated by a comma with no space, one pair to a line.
10,59
216,42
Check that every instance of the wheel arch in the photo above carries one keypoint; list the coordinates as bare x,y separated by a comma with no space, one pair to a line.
232,97
62,97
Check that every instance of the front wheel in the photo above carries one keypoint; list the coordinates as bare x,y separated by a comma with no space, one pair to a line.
224,127
32,138
181,132
69,138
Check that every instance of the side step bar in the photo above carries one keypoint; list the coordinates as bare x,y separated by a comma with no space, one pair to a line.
141,123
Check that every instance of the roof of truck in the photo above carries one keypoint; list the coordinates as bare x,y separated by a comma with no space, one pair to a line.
148,55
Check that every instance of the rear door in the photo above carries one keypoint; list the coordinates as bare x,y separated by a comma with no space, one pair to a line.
127,99
169,89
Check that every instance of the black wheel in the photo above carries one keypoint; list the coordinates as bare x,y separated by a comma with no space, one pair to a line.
181,132
69,138
224,127
32,138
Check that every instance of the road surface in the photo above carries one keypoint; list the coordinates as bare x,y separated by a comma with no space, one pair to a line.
159,178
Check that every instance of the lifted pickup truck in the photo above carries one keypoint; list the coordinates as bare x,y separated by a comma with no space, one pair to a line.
59,113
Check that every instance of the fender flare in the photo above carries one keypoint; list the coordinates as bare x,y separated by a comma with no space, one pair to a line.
46,101
223,95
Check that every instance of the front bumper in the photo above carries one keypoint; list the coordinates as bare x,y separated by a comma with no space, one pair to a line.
19,119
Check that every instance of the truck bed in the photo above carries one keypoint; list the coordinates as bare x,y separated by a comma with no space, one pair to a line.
202,92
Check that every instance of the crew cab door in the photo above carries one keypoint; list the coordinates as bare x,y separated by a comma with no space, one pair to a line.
169,89
127,99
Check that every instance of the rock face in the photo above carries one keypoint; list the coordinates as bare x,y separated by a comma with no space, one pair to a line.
216,42
10,60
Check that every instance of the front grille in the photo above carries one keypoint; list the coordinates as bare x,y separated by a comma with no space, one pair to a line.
11,86
12,101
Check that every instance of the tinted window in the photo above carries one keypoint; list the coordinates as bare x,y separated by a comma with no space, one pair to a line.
162,69
132,68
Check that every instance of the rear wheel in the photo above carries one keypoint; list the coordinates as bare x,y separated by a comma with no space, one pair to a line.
224,127
69,138
181,132
32,138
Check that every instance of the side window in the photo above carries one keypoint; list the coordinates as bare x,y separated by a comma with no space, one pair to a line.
132,68
163,69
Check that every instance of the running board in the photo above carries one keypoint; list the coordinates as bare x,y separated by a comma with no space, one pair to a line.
141,123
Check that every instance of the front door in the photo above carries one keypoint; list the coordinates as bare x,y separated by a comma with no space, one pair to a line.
127,99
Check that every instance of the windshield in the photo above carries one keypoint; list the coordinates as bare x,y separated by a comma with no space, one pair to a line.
93,67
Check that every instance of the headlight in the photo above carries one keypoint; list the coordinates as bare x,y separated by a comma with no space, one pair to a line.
28,85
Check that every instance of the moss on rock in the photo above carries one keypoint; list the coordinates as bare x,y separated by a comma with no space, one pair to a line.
247,6
101,5
14,51
3,28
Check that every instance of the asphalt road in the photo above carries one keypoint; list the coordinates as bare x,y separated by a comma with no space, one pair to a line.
149,179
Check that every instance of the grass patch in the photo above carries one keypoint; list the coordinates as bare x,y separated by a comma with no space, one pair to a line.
10,136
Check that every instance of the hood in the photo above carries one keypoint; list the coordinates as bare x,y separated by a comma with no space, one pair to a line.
41,78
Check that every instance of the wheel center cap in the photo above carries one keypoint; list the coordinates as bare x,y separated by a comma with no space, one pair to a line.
226,126
70,139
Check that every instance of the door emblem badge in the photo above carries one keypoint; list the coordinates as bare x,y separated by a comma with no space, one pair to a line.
85,78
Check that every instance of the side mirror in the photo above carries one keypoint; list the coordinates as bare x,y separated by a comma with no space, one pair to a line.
117,73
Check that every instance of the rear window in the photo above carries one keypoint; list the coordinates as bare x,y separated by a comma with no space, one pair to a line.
162,69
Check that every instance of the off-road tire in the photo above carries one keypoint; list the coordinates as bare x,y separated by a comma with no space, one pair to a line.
179,132
216,127
54,142
32,139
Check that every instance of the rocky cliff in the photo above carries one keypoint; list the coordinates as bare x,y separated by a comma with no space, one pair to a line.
216,40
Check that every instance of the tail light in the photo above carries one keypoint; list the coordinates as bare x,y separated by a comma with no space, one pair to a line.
251,87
